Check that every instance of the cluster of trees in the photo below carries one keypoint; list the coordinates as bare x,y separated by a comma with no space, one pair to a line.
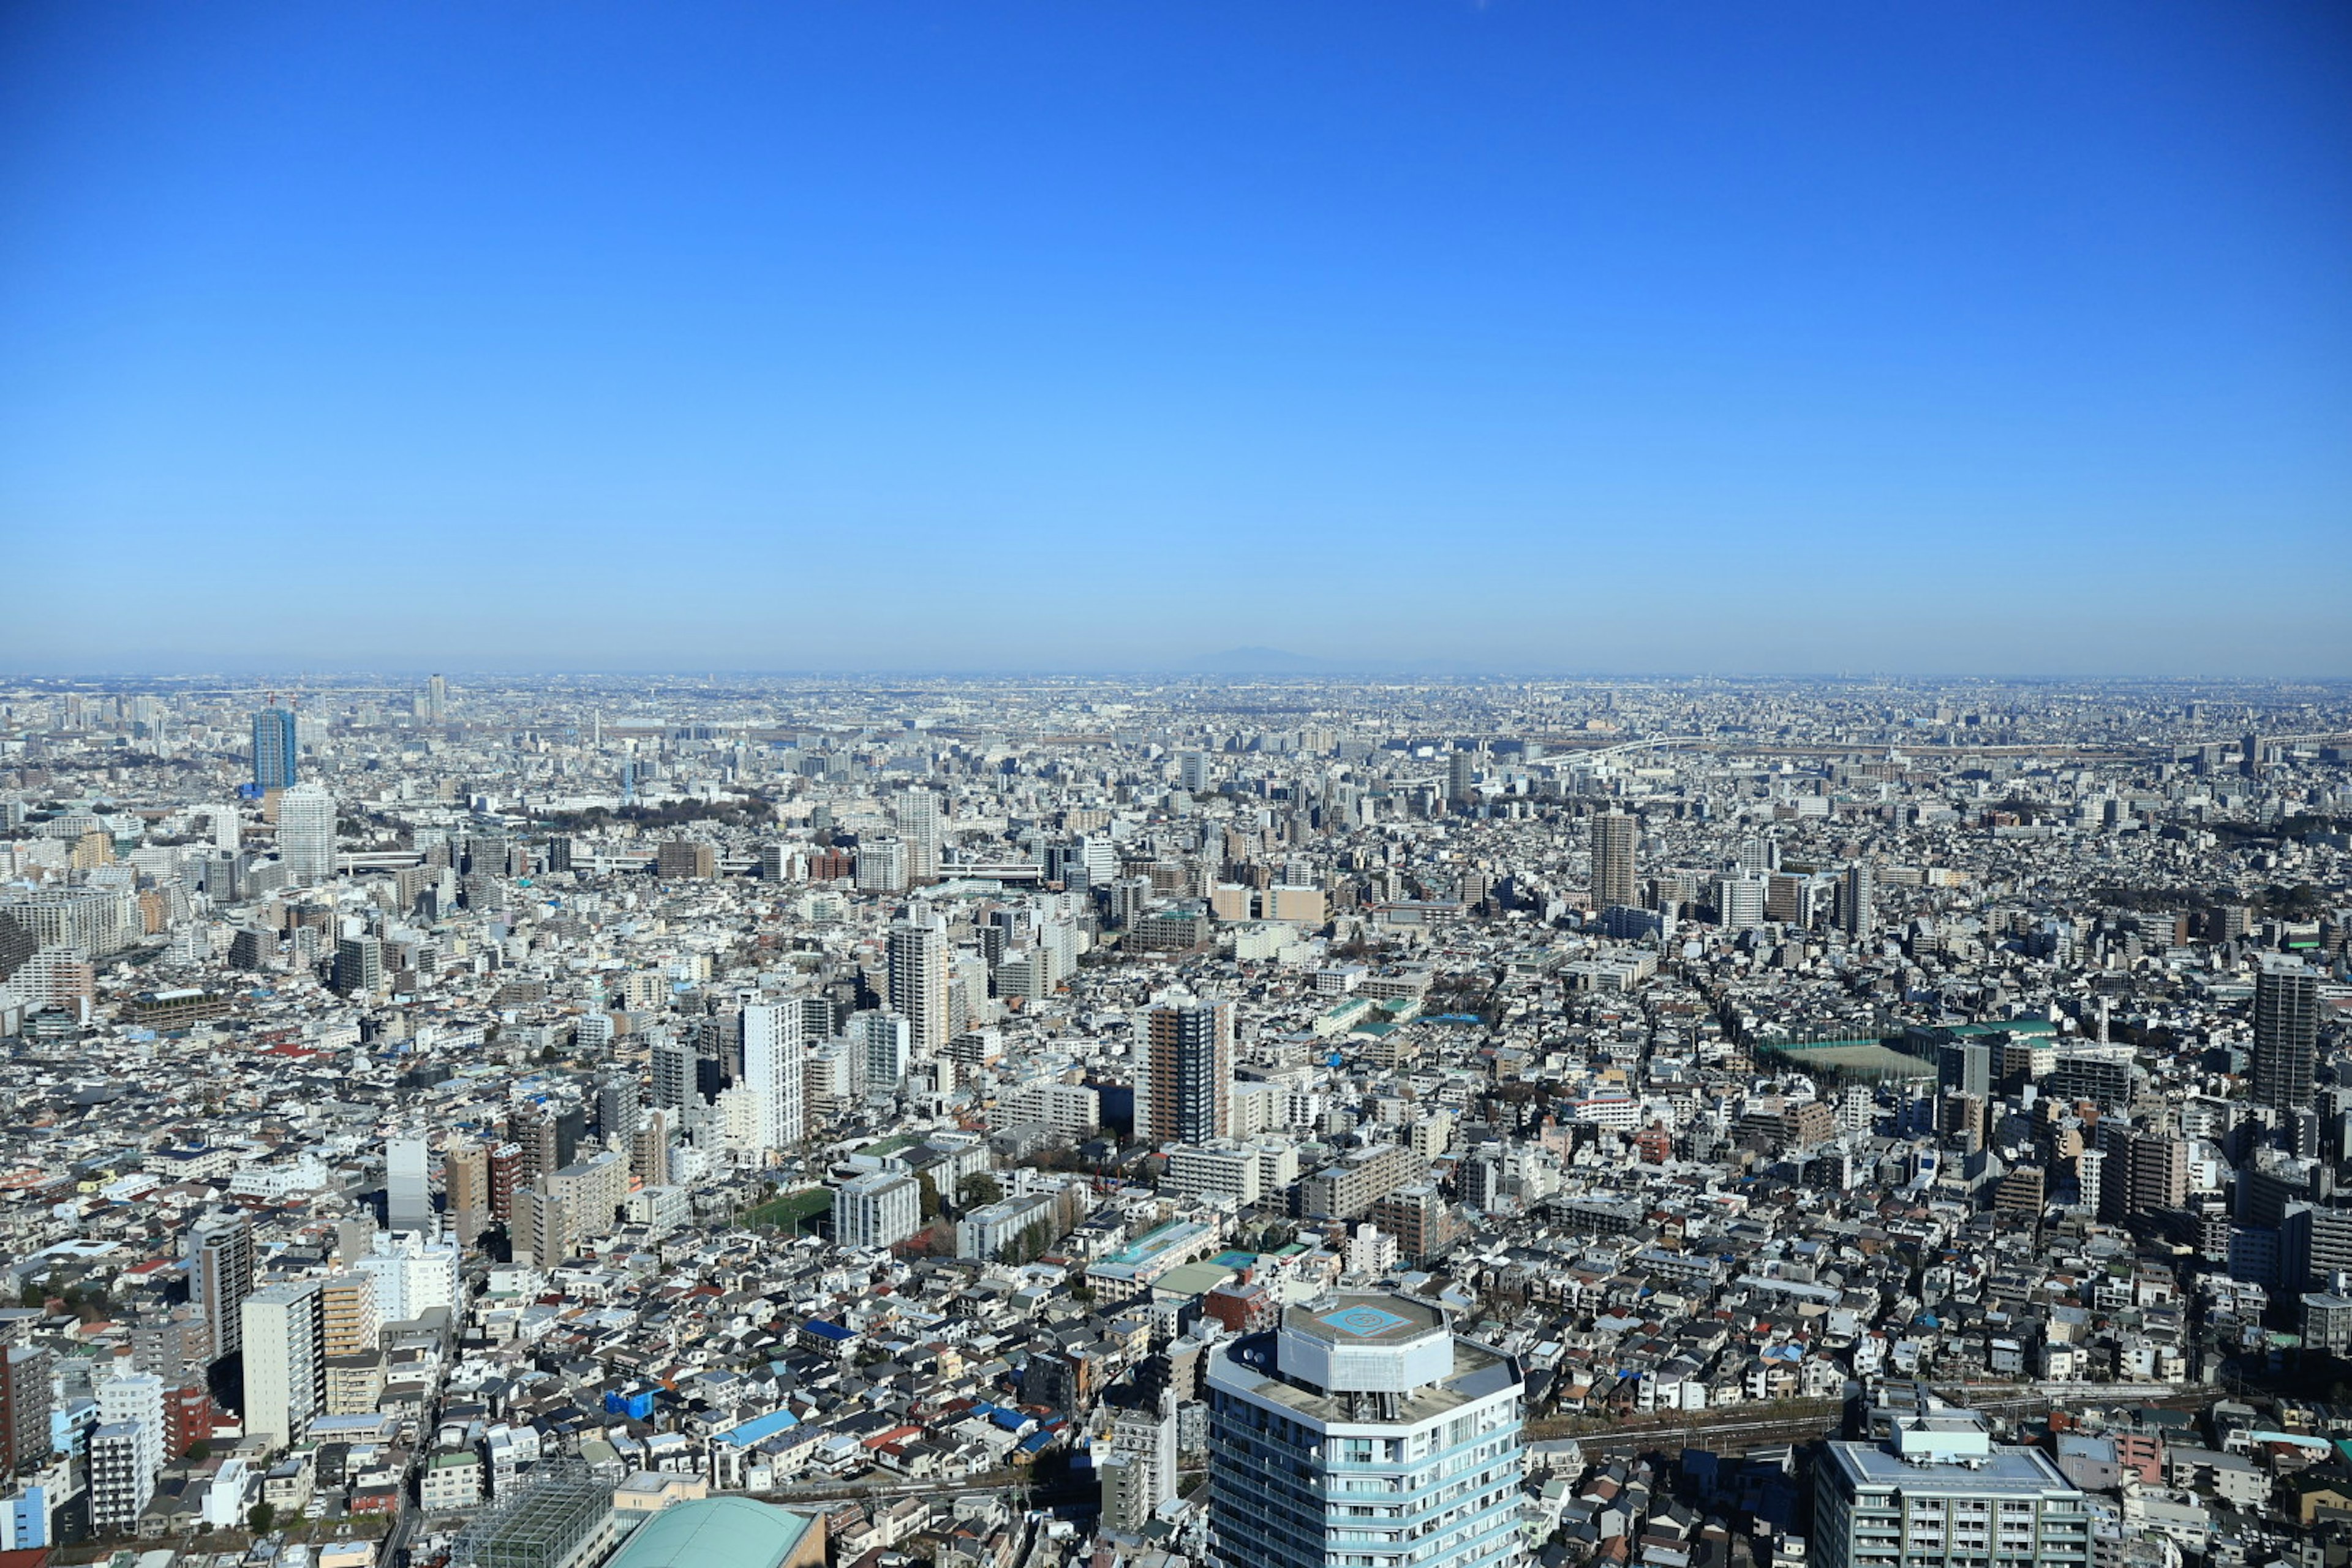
735,811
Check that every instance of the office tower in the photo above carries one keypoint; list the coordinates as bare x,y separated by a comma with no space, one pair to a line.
285,1359
877,1210
306,834
276,752
27,1399
1185,1090
916,814
408,1185
1856,891
1740,902
1192,772
2287,1033
220,1277
775,1070
918,982
1939,1493
437,700
674,1084
1612,859
1366,1395
1460,769
466,1176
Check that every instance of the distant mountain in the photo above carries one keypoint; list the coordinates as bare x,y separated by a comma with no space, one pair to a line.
1259,661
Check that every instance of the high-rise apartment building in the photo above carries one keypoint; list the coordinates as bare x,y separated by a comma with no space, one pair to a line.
1740,902
359,966
408,1185
348,1323
1939,1493
285,1359
465,1176
220,1277
277,753
1612,859
877,1210
2287,1033
918,982
1461,776
882,863
917,815
1361,1433
306,834
1857,893
1185,1090
775,1070
437,700
26,1400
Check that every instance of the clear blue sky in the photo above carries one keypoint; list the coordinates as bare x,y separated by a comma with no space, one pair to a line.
1592,335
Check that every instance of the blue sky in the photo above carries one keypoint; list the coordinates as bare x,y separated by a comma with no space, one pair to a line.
1918,337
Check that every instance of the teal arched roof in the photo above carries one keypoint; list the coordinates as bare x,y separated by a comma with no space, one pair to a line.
713,1532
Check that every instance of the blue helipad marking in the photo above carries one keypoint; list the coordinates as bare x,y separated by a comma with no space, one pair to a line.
1366,1322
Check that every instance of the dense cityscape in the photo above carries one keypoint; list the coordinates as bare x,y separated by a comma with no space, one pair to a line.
1130,1123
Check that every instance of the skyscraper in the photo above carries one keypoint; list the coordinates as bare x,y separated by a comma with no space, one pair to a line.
1372,1396
306,834
276,752
220,1277
1857,891
437,700
1461,769
918,982
2287,1033
1612,859
407,1185
917,816
1185,1091
775,1070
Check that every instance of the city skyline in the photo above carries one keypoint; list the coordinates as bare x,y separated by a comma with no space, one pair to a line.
1491,339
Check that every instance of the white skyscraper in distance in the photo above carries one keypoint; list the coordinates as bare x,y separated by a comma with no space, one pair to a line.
775,1072
408,1185
306,834
916,813
918,980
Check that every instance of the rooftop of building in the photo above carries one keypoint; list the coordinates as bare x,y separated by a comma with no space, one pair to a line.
1373,1319
2001,1471
714,1533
